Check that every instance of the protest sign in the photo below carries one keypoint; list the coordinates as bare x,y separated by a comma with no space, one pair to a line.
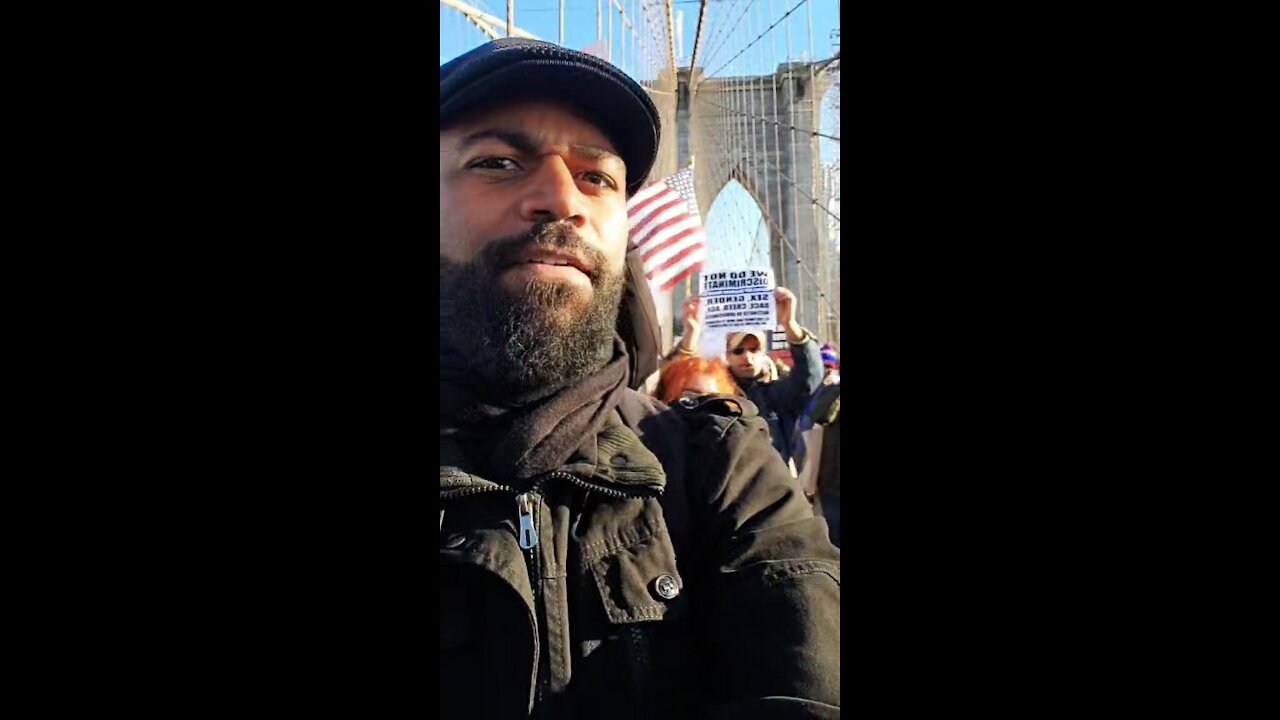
737,300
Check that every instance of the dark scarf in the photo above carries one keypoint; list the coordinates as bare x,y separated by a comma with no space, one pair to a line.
516,437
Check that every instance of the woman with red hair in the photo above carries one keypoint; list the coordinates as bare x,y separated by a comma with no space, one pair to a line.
694,376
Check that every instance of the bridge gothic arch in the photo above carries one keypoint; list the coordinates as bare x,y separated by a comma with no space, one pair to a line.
748,129
735,227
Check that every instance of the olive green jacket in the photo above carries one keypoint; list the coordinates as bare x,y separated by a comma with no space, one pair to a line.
671,569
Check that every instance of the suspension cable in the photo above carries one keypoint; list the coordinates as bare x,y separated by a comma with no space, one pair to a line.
766,32
765,214
777,147
791,135
812,132
728,33
809,197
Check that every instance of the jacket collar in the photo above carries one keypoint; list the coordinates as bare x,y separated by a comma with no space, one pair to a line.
613,458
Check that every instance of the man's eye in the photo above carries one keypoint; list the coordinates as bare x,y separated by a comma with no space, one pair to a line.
495,163
599,178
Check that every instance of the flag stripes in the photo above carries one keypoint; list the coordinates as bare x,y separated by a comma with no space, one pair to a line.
667,229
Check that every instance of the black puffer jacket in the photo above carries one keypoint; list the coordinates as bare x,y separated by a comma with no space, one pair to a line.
678,572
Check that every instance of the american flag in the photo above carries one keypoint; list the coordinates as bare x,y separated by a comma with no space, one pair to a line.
666,228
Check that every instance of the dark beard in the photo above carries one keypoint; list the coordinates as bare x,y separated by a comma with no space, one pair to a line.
549,336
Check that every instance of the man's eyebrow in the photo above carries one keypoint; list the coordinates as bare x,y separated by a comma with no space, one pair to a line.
593,152
526,144
514,138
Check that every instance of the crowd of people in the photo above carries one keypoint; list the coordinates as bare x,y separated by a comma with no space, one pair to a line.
801,405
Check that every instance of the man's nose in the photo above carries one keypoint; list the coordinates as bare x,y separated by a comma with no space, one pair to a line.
553,195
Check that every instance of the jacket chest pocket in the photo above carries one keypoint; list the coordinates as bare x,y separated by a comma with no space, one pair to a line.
625,552
630,646
644,606
640,582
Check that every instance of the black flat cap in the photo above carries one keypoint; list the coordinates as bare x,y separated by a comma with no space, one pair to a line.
513,69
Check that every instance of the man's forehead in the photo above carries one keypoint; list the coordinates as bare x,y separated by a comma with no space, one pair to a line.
540,121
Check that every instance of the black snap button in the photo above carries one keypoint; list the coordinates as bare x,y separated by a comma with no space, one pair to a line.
666,587
455,541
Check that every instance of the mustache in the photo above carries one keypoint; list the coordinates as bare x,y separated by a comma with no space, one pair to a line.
550,235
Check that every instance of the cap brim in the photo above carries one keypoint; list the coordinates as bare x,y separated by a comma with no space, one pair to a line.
735,339
623,117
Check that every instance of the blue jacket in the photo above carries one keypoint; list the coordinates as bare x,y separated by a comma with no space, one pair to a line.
781,402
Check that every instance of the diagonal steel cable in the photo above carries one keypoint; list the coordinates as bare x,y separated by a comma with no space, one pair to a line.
783,125
783,235
726,34
760,36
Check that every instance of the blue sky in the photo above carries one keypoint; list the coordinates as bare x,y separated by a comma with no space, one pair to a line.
541,18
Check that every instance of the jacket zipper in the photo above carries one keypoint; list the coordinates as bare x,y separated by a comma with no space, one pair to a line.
527,536
640,658
541,480
464,492
611,492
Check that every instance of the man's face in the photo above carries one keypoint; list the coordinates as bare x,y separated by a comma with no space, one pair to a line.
747,360
505,171
533,236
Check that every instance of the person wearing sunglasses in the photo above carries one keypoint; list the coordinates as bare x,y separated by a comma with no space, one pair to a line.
780,401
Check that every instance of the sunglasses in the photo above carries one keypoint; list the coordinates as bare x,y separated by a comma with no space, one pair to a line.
739,350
